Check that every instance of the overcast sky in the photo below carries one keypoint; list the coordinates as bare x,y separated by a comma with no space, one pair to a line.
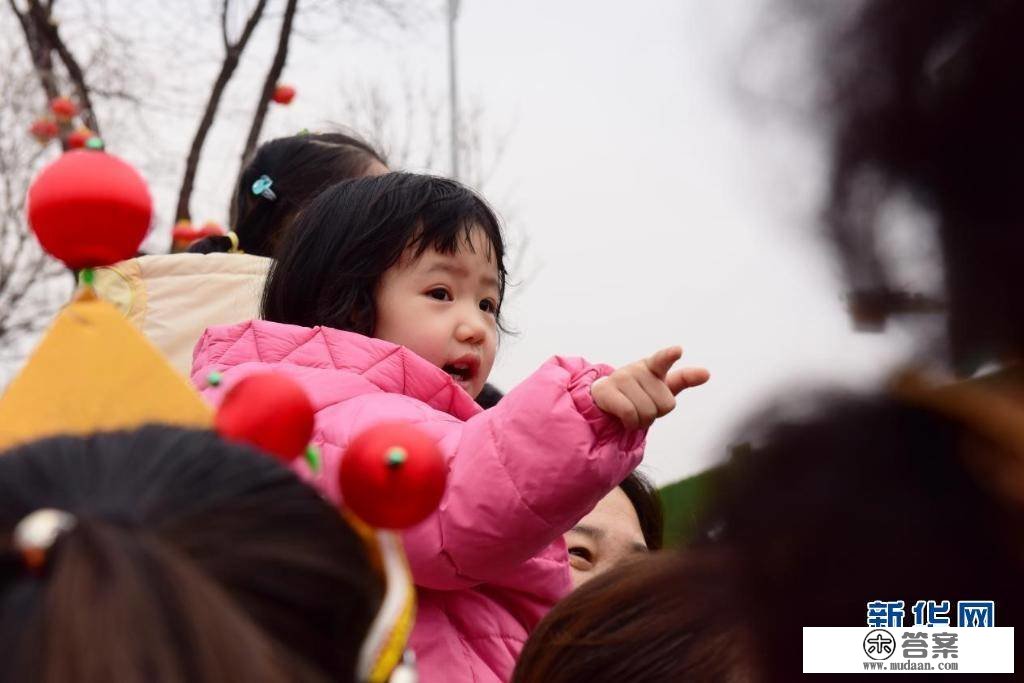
657,208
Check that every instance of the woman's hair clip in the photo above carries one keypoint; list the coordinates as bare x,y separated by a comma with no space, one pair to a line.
36,533
262,188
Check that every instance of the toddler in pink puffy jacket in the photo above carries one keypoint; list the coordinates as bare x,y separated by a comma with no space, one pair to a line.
385,304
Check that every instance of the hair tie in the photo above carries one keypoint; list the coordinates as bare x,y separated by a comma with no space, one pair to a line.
36,533
262,188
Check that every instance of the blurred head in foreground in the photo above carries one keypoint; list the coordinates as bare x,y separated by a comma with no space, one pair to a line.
178,556
924,101
663,617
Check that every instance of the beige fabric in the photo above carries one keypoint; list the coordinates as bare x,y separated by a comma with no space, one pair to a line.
172,298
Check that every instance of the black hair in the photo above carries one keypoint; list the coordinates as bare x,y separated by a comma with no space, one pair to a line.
191,559
869,498
489,396
328,271
299,167
649,511
926,98
662,617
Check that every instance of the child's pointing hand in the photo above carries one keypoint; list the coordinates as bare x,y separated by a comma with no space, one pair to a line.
640,392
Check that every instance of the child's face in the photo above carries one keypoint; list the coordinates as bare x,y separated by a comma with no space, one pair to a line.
444,308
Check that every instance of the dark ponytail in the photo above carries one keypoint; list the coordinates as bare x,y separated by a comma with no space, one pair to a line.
190,559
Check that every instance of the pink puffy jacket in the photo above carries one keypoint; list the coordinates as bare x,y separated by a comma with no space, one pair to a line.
491,561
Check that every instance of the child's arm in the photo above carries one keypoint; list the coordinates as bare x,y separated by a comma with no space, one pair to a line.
525,471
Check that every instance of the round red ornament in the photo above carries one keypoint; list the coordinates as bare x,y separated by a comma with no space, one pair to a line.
89,208
184,230
270,411
77,138
392,476
63,108
283,94
211,229
44,130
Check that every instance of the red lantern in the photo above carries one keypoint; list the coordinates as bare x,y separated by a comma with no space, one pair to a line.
211,229
44,130
63,108
77,139
89,208
283,94
183,230
269,411
392,476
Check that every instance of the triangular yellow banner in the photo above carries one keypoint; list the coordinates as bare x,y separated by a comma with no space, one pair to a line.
93,371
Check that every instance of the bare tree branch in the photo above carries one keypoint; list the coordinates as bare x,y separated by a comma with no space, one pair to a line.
39,50
270,82
46,27
232,54
224,25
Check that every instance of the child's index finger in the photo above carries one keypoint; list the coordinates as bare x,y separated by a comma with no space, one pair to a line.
661,361
685,378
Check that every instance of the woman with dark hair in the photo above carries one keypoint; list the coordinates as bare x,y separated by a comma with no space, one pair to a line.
624,525
166,554
172,298
281,177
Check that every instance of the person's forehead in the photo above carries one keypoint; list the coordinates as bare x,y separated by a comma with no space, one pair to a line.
615,516
463,263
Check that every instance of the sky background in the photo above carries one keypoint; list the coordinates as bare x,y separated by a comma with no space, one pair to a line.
655,191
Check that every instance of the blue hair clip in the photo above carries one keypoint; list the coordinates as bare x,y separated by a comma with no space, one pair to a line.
262,187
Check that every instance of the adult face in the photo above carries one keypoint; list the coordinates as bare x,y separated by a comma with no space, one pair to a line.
605,538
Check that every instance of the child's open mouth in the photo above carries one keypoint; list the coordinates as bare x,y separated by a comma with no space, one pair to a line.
462,369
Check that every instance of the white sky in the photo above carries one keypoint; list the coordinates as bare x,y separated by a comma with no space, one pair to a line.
656,211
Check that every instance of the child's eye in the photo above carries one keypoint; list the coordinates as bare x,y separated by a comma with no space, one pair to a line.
439,293
489,306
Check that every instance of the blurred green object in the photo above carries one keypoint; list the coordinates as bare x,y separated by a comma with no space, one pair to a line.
683,502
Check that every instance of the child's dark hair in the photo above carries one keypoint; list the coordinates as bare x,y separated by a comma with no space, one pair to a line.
191,559
299,167
649,511
328,270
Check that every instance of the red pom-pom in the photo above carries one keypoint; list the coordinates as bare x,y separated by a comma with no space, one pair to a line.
283,94
63,108
44,130
392,476
77,139
269,411
89,208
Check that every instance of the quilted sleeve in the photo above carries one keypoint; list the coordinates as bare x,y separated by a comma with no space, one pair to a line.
520,475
